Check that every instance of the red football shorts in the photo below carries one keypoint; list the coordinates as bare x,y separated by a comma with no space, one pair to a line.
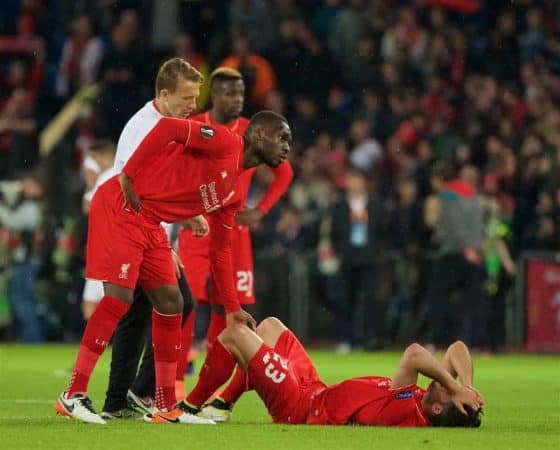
193,252
285,379
125,248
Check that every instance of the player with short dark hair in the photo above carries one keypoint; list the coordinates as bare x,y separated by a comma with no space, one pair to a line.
180,169
282,373
227,91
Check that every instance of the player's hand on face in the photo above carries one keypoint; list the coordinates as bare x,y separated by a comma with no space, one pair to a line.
241,317
480,397
198,225
177,263
250,217
465,396
131,198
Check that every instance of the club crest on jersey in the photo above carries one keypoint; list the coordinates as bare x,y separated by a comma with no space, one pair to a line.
124,271
206,132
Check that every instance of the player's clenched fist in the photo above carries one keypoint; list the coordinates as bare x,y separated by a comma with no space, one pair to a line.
131,198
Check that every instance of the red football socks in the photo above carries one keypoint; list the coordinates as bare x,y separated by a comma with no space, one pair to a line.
217,368
187,335
236,386
98,332
166,339
215,327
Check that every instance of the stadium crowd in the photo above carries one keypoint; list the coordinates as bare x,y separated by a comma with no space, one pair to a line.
426,147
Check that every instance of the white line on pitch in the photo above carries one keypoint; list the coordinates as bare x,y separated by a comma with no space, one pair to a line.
33,401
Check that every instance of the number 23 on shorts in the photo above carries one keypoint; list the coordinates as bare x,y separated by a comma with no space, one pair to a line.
275,368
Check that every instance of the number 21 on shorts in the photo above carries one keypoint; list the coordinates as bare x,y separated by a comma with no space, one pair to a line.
244,282
275,368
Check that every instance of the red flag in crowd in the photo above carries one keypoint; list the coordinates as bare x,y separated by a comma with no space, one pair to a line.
464,6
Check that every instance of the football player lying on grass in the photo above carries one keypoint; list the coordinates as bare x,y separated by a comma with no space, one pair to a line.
279,369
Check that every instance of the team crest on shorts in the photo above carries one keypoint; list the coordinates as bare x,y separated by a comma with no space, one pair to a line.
124,271
206,132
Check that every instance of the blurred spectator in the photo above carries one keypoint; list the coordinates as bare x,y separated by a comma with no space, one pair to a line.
350,25
184,47
458,234
18,134
533,42
406,232
406,35
502,58
81,57
357,228
366,151
541,232
405,220
362,69
380,116
500,269
256,17
257,72
20,222
25,73
310,194
299,61
290,233
306,122
165,24
123,71
324,18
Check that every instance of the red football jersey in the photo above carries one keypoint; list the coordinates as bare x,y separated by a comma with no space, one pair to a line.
283,174
192,249
368,401
183,168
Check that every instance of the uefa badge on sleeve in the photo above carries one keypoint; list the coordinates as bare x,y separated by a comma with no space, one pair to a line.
206,132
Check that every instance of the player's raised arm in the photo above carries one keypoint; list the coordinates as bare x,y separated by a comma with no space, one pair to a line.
213,140
458,362
416,359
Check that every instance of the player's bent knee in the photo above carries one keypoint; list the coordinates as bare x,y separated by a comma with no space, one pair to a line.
413,349
232,336
458,343
270,328
167,299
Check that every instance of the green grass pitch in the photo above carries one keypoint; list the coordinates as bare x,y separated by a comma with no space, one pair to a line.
522,396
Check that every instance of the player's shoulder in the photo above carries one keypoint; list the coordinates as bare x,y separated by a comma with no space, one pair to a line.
143,120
